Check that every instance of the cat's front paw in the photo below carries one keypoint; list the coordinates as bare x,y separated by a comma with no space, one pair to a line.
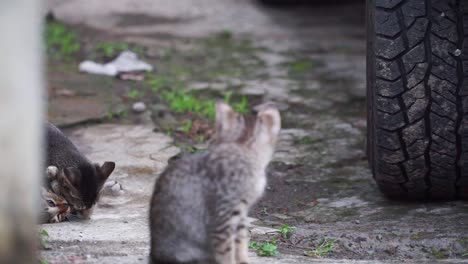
52,172
113,188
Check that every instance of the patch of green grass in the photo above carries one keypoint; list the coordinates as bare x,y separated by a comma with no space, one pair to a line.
181,102
267,249
110,49
240,107
116,115
438,254
61,42
300,66
134,94
187,126
286,231
325,248
156,83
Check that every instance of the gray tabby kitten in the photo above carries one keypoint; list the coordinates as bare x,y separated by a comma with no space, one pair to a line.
78,180
200,203
59,198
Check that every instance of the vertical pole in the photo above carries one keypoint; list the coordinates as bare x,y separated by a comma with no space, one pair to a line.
21,96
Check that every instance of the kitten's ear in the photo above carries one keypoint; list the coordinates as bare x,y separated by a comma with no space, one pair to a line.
106,169
224,116
269,121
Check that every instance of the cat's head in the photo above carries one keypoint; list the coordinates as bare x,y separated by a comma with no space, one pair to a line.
55,208
259,131
80,186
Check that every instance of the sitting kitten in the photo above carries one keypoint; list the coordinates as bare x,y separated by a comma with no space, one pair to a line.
200,203
80,173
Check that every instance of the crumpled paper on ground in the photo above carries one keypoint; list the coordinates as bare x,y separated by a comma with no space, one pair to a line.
127,61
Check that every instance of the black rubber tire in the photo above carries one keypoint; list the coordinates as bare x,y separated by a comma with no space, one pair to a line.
417,74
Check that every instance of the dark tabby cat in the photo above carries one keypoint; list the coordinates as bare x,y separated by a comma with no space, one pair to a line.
78,180
200,202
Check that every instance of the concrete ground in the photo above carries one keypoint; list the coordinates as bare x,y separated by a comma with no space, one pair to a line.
310,59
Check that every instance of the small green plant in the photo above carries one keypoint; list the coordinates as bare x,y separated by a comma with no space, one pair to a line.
465,254
326,247
110,49
200,138
43,236
300,66
187,126
182,102
242,106
264,211
227,97
116,115
438,254
226,34
61,42
286,231
133,94
156,83
266,249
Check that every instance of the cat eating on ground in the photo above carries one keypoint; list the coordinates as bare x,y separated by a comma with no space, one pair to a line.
72,176
200,202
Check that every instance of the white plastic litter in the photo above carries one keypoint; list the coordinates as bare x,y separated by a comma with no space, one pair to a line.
139,107
127,61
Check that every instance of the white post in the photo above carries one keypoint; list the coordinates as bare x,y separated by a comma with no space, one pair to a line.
21,96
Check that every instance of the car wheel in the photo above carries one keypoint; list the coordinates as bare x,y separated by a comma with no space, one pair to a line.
417,97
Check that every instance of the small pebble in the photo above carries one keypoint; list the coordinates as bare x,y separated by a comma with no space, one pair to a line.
357,222
457,52
139,107
379,237
442,14
116,189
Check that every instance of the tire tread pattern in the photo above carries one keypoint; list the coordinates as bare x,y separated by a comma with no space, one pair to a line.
420,98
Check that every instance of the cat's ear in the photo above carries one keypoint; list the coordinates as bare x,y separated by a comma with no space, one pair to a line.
73,175
224,116
268,123
106,169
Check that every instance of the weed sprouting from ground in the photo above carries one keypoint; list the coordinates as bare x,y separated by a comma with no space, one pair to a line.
267,249
325,248
187,126
110,49
43,236
134,94
181,102
61,42
286,231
